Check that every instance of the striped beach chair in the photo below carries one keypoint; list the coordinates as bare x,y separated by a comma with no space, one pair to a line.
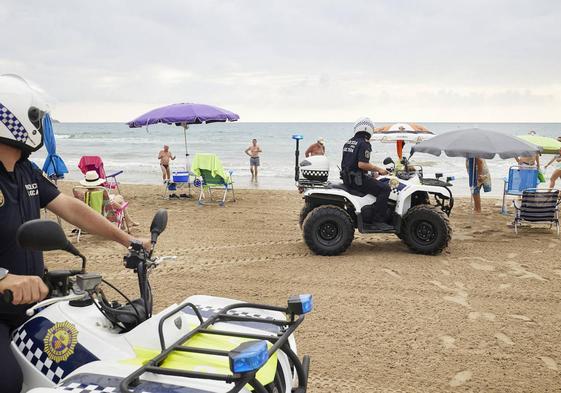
537,206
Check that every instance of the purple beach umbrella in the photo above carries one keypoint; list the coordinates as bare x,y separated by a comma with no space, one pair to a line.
182,115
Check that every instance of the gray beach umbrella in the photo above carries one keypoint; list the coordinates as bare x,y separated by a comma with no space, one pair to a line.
475,142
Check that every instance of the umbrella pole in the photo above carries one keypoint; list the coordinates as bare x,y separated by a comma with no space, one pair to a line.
186,151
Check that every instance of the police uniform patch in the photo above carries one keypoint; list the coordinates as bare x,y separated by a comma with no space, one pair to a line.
48,178
1,199
367,154
60,341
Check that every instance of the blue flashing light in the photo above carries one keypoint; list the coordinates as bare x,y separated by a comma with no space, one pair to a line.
300,304
297,137
249,356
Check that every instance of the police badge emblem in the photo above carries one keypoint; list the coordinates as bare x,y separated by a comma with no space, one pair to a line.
1,199
60,341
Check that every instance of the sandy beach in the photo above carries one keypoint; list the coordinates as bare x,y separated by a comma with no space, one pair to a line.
483,316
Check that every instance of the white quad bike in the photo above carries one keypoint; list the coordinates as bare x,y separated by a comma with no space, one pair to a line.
79,341
332,212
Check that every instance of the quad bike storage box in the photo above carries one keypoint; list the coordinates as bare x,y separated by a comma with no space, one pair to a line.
315,168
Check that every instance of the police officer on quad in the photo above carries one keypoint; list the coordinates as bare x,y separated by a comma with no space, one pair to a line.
24,190
355,166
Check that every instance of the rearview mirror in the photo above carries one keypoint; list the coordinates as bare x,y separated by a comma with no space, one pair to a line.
388,160
159,223
42,235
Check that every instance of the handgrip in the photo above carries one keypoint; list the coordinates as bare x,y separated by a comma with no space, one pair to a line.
7,296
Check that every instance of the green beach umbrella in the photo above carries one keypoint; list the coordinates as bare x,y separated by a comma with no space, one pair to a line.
549,145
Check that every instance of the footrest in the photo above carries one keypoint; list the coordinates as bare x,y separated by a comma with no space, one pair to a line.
373,228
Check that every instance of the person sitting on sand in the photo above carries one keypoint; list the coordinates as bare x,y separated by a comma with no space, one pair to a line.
483,179
165,156
253,152
557,171
316,149
92,182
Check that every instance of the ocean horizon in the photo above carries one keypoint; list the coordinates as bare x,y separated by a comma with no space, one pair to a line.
135,150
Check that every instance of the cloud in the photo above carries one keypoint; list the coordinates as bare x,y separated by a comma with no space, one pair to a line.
290,60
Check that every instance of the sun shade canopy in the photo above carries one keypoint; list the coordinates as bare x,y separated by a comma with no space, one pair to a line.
476,142
185,113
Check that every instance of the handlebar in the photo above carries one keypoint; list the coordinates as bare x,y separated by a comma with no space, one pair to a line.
47,302
7,296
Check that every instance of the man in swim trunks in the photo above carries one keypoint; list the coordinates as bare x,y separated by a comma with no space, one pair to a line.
253,152
165,156
316,149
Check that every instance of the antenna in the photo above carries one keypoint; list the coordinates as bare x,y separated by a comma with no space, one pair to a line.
297,138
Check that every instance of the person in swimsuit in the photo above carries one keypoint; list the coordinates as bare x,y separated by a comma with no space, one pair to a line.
533,160
253,152
316,149
483,179
165,156
557,171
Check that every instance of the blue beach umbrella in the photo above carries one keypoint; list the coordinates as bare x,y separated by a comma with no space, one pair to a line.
54,166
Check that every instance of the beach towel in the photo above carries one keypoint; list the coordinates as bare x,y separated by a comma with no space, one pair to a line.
210,162
94,199
473,176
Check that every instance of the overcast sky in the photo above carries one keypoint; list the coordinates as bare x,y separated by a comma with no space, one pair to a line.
393,60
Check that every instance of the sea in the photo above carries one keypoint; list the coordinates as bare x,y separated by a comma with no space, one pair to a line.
135,151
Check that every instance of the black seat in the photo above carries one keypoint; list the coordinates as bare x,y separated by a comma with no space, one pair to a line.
352,191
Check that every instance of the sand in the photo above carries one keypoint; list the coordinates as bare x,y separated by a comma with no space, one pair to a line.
483,316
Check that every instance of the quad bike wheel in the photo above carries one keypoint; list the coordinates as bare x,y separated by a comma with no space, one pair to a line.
328,230
306,209
426,229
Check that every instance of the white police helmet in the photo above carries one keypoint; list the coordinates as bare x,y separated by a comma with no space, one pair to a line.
364,124
22,108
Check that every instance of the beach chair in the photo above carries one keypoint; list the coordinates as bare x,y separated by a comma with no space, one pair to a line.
519,178
95,163
99,200
212,177
537,206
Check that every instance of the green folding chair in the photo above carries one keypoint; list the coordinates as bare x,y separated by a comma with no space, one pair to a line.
212,177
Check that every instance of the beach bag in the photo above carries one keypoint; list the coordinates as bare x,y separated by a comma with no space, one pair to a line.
541,177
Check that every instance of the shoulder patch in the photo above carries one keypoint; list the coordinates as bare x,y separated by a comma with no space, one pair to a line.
367,154
1,199
48,178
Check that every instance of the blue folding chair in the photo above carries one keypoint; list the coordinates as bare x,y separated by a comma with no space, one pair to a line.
520,178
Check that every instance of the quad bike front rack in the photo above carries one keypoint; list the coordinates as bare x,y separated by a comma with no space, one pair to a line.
295,310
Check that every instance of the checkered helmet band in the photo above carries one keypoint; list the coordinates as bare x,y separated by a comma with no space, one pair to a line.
13,124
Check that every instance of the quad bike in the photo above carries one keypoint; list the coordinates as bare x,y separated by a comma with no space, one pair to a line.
79,341
332,212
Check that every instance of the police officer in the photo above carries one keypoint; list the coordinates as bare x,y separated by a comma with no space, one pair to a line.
355,166
24,190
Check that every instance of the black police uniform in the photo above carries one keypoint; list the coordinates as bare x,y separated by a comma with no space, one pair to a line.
358,149
23,193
